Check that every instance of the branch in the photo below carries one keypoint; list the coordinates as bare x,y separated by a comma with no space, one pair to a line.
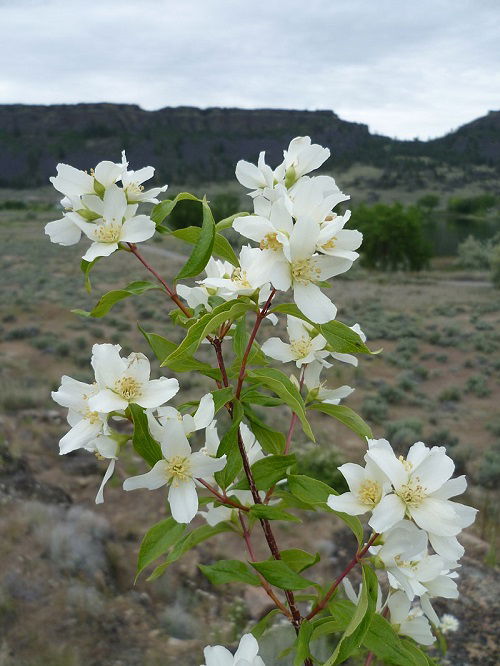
357,558
223,498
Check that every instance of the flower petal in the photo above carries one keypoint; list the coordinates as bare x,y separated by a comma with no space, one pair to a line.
158,391
107,363
347,503
204,466
183,501
63,232
107,401
99,498
152,480
312,302
204,415
389,511
277,349
99,250
79,436
137,229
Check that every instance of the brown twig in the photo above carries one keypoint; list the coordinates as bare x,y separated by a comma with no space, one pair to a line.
355,560
222,497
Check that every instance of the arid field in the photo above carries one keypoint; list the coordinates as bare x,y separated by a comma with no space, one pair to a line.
67,593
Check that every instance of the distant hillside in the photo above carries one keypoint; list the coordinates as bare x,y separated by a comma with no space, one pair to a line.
191,145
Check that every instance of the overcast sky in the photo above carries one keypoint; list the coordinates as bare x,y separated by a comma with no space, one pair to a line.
405,67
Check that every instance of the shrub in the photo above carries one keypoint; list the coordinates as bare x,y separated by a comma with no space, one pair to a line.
474,254
442,437
495,265
393,237
450,394
322,464
489,471
478,386
374,408
404,433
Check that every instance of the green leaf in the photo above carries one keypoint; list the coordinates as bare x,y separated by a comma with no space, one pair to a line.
316,493
262,624
163,347
86,267
279,574
268,471
147,447
253,397
271,440
347,416
228,221
164,208
229,571
222,248
340,337
157,541
416,654
382,640
229,446
107,301
221,397
280,384
202,251
187,542
264,511
206,324
298,559
302,651
355,631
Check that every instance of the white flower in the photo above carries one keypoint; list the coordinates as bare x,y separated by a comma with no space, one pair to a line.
118,223
271,231
86,423
301,157
404,554
246,654
422,487
442,585
179,468
124,381
299,269
242,281
303,347
255,177
408,622
252,447
89,428
216,514
202,418
336,241
367,487
195,296
449,623
133,187
318,389
74,183
315,197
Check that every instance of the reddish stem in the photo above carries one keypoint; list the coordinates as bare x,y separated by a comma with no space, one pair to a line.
355,560
258,321
217,345
172,294
223,498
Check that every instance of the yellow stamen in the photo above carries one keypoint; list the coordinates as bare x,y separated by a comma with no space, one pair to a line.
178,470
128,387
370,493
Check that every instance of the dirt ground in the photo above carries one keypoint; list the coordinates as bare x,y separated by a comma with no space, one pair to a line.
67,595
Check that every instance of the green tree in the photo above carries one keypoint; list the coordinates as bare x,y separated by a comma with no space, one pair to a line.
393,237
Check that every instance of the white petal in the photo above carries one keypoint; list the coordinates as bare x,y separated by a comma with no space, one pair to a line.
303,239
217,655
175,442
183,501
253,227
72,393
137,229
437,516
107,364
79,436
447,547
157,392
382,455
452,488
247,649
347,503
203,466
434,470
353,474
99,250
106,173
114,203
71,181
399,607
107,401
63,231
277,349
389,511
312,302
331,266
99,499
204,415
152,480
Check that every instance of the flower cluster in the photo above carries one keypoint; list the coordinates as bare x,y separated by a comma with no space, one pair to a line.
106,213
302,242
409,501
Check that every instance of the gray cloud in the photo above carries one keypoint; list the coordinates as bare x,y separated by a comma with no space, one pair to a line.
405,69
